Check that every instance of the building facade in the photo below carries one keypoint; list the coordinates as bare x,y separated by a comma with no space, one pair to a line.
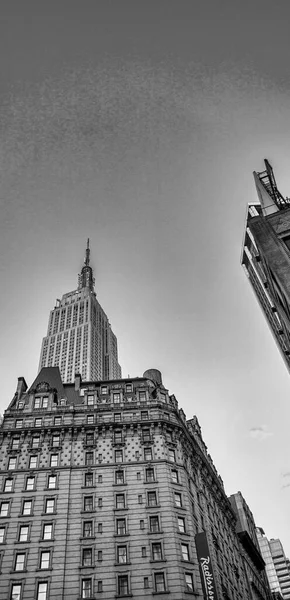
277,564
79,337
266,256
254,564
108,491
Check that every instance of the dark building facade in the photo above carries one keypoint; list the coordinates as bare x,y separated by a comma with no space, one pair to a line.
254,564
266,256
108,491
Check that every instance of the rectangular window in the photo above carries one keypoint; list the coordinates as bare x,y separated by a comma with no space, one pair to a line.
117,398
144,415
177,499
88,529
37,402
2,535
89,480
118,455
87,557
123,585
154,524
57,420
120,500
19,561
89,458
171,455
146,582
11,464
45,402
100,586
49,506
174,476
121,526
54,460
188,582
143,552
87,588
118,437
138,475
38,422
121,554
90,439
47,531
146,435
88,503
33,462
100,555
104,389
30,483
185,551
142,396
128,387
44,560
100,527
23,533
142,524
117,417
181,524
147,453
27,507
51,482
119,477
91,400
15,443
8,485
4,509
156,551
100,478
90,419
35,441
151,499
19,424
55,440
159,581
100,502
16,591
140,499
150,476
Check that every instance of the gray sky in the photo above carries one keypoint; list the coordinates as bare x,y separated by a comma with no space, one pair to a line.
138,124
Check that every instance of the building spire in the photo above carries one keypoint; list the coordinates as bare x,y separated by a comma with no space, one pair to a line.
86,278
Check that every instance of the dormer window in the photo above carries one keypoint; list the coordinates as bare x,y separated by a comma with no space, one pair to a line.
41,402
91,400
128,387
104,389
117,398
62,401
142,396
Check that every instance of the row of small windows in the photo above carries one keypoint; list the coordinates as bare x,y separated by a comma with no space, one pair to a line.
87,586
144,415
89,457
88,502
121,529
30,482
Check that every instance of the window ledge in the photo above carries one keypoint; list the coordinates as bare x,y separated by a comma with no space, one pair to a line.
155,506
123,508
45,541
150,482
119,484
92,537
16,572
22,542
21,516
88,512
121,535
156,593
44,570
81,567
159,560
44,514
88,487
124,596
122,564
159,532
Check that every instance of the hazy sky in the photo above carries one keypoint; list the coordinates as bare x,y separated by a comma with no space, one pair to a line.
138,124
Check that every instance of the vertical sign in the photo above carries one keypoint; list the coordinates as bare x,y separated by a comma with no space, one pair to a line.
205,567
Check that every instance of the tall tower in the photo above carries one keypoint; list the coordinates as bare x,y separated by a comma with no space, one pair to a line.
266,256
79,337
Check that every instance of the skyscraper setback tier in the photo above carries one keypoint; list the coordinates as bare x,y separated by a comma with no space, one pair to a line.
266,256
79,337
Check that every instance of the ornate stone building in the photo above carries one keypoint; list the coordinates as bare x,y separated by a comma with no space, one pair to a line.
108,491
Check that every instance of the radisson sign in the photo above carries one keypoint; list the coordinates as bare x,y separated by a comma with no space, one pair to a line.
205,567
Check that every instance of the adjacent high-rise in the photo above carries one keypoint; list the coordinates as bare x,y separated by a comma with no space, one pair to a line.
266,256
277,565
79,337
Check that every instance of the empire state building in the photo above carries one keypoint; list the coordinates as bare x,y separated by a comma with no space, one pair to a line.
79,337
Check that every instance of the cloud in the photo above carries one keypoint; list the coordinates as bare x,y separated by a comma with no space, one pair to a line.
260,433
